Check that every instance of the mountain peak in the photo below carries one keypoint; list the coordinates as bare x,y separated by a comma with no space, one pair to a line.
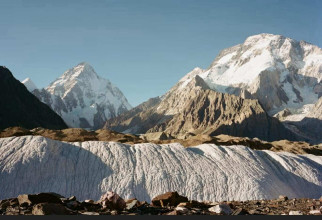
82,69
29,84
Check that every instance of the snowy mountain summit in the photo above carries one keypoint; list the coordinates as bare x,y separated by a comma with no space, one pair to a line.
29,84
278,71
84,99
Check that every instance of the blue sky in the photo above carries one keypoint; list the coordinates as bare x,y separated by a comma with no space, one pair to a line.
144,46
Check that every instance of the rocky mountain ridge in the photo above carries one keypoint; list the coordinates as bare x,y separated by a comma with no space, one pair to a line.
21,108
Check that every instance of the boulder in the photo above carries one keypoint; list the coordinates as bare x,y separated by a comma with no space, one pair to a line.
168,199
31,199
90,213
72,198
4,204
112,200
315,212
295,213
221,209
182,210
132,203
282,198
89,201
49,209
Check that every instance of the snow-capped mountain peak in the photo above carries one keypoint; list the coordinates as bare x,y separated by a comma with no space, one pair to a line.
277,70
29,84
84,99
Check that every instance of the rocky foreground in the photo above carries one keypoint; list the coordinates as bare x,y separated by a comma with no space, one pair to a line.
170,203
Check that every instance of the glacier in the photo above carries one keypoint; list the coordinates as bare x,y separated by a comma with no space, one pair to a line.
32,164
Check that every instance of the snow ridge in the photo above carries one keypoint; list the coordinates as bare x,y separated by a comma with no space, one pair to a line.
29,84
31,164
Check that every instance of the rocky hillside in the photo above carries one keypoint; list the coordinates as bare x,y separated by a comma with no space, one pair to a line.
193,108
82,98
80,135
206,172
21,108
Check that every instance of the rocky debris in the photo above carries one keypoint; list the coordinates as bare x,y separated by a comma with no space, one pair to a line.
79,135
295,213
168,199
30,199
73,135
221,209
112,200
132,203
170,203
282,198
49,209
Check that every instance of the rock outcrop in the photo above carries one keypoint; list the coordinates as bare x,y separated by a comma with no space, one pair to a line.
193,108
18,107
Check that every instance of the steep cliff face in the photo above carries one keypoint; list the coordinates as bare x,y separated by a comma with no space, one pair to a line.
84,99
21,108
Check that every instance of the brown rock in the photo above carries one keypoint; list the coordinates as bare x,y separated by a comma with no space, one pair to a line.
4,204
111,200
31,199
49,209
169,198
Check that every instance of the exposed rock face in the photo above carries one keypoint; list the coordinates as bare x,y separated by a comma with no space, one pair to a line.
137,120
216,113
82,98
193,108
21,108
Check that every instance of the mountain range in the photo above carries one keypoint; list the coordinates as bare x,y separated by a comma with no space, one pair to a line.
260,78
267,87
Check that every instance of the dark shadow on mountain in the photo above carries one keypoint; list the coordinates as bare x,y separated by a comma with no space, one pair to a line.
310,128
21,108
259,126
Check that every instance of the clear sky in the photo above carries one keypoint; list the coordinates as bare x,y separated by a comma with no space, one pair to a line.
142,46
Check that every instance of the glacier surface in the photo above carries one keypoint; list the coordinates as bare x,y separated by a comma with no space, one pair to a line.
31,164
